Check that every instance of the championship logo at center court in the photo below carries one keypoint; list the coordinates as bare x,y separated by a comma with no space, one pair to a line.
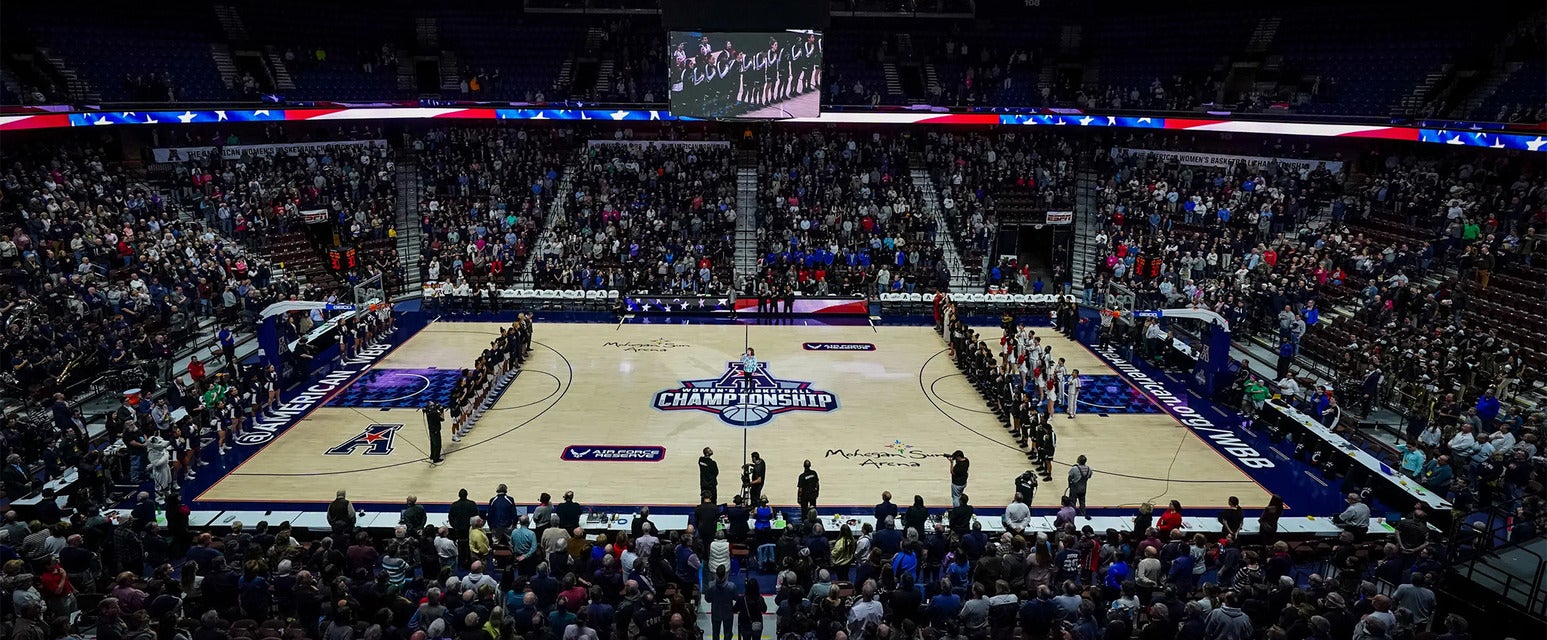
744,399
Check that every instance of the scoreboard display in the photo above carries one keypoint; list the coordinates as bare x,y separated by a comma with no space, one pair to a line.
342,259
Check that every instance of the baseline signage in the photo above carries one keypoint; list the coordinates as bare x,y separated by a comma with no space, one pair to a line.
264,429
605,453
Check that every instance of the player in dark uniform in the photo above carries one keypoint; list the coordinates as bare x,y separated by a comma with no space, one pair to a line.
1022,420
1047,443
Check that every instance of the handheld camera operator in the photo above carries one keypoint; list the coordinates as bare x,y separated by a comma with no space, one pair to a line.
434,413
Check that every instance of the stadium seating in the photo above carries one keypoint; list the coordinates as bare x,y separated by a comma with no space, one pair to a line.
1367,64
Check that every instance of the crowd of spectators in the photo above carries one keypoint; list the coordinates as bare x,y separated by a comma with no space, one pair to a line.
839,214
490,573
981,178
1301,258
102,270
156,86
487,196
261,195
644,216
639,65
104,283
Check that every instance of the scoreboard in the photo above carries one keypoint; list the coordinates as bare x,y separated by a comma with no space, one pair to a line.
342,259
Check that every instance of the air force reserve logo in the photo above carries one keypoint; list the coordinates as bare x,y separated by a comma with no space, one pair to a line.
745,400
376,440
605,453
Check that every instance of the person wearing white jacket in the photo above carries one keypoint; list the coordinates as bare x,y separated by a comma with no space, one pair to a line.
719,553
158,453
1017,515
1463,444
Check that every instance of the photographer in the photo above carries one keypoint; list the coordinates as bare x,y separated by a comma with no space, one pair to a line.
752,476
433,414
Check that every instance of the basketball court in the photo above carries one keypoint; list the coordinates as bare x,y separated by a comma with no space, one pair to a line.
620,413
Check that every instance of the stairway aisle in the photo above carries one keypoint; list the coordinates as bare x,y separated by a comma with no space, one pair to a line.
961,281
409,186
549,236
1087,208
746,223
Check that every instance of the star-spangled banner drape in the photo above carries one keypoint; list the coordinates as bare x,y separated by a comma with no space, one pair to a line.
1471,137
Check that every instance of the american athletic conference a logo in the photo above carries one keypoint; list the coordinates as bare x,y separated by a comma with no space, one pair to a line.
376,439
745,401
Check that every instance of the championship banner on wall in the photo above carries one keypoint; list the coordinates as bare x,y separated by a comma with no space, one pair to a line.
1224,160
236,151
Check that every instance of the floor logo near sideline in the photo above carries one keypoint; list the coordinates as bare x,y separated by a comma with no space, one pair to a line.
604,453
745,400
1113,394
398,389
376,439
282,415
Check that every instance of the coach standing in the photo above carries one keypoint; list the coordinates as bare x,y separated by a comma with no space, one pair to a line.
959,465
709,476
806,488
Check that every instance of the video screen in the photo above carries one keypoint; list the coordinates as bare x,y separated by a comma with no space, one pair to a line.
766,75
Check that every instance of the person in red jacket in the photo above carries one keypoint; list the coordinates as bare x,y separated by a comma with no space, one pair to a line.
1170,521
196,370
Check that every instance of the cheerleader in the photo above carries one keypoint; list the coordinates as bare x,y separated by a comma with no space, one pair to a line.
226,425
246,402
267,383
182,456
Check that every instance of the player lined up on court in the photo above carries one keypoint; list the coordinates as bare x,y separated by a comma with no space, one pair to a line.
1023,383
479,387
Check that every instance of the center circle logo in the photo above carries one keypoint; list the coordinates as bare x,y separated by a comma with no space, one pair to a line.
745,400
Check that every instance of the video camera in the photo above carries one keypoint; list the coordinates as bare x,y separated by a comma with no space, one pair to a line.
433,408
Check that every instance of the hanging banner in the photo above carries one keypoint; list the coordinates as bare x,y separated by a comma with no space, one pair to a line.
314,216
236,151
1060,217
1224,160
